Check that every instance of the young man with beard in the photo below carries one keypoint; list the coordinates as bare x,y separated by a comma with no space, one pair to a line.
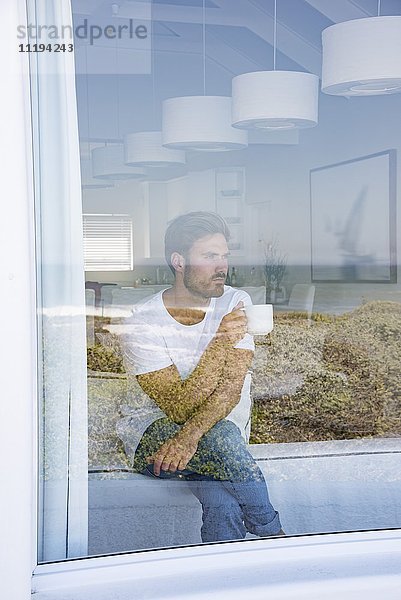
190,352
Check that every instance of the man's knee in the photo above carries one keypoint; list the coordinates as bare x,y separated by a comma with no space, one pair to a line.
223,442
228,426
222,434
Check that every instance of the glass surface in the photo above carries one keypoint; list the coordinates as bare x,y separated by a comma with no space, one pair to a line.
312,216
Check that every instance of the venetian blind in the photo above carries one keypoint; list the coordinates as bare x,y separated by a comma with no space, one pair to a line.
108,242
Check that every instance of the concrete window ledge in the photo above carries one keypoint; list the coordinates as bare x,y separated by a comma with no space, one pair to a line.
344,485
318,487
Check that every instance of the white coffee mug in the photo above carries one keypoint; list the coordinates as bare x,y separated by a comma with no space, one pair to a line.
260,318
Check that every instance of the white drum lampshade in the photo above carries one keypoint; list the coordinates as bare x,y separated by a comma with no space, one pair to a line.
362,57
145,149
201,123
275,100
90,183
108,163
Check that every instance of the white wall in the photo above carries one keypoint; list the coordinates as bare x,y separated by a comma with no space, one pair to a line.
347,129
152,205
126,197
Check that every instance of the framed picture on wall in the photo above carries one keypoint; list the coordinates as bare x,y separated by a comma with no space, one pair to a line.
353,220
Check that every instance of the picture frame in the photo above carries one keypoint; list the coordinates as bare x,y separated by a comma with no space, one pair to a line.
353,220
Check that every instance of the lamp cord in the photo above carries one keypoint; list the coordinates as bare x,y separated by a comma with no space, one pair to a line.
275,35
87,101
118,95
152,65
204,44
378,7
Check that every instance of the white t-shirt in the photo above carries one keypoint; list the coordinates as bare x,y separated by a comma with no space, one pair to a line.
155,340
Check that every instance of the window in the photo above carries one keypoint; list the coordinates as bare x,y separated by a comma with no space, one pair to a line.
318,408
108,242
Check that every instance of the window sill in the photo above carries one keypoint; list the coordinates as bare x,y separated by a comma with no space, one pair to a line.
360,565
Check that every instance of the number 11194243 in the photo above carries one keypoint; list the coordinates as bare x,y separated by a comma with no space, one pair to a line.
46,47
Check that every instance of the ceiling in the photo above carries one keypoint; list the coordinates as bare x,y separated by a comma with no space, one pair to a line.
239,39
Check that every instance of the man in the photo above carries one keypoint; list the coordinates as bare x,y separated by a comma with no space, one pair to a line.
190,352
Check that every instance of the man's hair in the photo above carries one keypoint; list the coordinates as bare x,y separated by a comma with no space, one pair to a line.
186,229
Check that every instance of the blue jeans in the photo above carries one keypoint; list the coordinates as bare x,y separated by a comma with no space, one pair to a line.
224,477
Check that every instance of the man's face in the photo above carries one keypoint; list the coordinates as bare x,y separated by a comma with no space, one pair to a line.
206,266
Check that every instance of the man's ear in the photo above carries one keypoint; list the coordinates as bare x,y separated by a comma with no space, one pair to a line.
178,262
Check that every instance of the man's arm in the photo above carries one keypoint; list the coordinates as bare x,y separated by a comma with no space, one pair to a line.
224,398
181,399
178,451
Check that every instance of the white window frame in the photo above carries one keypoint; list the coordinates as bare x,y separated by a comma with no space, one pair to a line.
109,224
18,365
336,564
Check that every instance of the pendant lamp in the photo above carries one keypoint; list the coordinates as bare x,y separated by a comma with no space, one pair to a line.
201,123
275,99
145,149
108,163
362,57
87,179
90,183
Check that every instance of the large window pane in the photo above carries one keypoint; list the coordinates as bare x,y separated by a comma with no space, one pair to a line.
304,220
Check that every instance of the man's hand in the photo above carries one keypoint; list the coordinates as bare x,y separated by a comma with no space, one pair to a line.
233,325
174,454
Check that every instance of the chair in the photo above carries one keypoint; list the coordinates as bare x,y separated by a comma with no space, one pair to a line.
300,300
96,287
106,298
123,299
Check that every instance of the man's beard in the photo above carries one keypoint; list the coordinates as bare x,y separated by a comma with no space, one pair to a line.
205,288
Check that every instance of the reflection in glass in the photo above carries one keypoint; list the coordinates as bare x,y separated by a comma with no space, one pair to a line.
324,383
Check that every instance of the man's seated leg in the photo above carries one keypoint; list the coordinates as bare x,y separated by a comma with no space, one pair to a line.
222,516
223,462
223,454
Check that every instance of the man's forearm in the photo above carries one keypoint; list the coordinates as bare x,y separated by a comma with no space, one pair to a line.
180,399
226,396
177,452
205,378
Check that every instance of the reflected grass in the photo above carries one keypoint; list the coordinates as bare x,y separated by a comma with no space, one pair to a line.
338,379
